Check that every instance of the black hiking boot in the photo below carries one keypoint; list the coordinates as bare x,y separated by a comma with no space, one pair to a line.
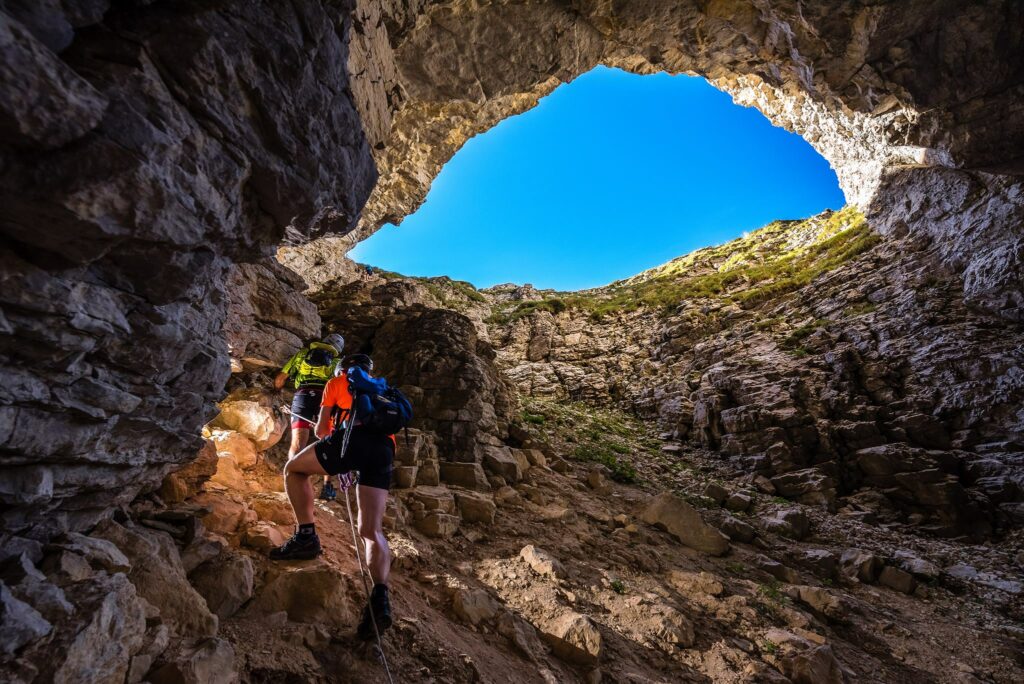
328,493
299,547
381,607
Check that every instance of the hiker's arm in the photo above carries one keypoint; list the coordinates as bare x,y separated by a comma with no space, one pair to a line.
323,424
280,379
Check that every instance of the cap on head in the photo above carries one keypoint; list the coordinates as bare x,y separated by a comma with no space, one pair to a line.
336,341
361,360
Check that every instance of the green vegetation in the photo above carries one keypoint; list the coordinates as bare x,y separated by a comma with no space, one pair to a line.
453,294
621,471
748,271
769,647
606,436
618,586
860,309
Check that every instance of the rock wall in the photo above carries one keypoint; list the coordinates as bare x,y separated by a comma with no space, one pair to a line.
874,381
145,148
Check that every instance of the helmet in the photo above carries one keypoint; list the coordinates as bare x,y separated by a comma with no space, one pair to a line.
361,360
336,341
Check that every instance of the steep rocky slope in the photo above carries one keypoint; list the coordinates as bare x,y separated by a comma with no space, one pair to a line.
810,353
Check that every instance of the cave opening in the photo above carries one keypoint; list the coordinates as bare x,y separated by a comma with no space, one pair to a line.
609,175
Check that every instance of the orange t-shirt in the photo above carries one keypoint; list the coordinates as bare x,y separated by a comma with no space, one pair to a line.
336,394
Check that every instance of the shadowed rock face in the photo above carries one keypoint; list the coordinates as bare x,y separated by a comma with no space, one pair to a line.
148,148
144,150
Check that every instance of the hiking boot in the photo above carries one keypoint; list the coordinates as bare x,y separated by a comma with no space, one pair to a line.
299,547
381,607
328,493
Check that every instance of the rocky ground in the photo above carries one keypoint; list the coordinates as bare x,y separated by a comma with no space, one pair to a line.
552,522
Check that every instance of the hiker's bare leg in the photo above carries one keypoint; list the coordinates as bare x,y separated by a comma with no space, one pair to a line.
296,483
372,502
300,437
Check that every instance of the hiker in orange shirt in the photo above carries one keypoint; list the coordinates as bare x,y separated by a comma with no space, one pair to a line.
370,453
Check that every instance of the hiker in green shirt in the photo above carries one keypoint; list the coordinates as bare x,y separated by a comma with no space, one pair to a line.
310,369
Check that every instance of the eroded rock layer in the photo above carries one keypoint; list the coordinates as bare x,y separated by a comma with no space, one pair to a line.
146,148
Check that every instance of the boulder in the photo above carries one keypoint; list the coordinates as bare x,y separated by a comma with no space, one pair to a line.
313,592
790,522
897,579
809,486
474,606
113,620
803,661
501,461
211,661
100,553
262,536
918,567
22,624
542,563
159,577
226,582
468,475
860,565
738,502
273,507
188,481
716,492
737,529
668,512
574,638
662,625
475,507
251,413
438,525
236,446
820,600
225,514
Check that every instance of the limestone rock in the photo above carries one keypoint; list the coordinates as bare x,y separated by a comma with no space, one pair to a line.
234,446
468,475
208,662
791,522
700,583
313,592
159,577
21,623
474,606
861,565
475,507
542,563
251,413
803,661
501,461
114,623
575,638
682,521
226,582
268,320
897,579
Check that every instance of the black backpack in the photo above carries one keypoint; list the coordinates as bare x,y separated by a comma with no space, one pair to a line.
391,413
390,410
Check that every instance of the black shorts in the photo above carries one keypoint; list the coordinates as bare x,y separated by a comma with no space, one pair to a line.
369,453
306,403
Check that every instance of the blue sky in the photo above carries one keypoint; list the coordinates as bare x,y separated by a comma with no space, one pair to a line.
609,175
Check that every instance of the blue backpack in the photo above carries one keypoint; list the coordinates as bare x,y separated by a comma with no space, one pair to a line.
378,407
